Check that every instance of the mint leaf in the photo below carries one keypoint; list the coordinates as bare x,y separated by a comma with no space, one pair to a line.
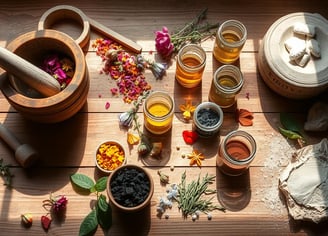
101,184
290,134
82,181
290,123
104,213
89,225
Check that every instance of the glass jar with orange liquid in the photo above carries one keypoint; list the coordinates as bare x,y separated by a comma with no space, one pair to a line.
230,39
190,66
236,152
158,112
226,84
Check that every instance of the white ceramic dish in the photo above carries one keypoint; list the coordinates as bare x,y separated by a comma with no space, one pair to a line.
283,76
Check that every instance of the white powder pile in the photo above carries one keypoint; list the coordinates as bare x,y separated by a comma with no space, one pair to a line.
278,155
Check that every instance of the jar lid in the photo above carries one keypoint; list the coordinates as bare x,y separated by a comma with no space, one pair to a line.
315,73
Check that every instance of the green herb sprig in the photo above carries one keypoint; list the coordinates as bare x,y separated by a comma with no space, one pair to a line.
101,214
190,196
194,31
5,173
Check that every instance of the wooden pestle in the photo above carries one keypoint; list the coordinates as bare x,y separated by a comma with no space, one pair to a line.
33,76
25,155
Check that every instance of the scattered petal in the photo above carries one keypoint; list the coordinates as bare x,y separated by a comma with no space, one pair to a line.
45,221
190,137
107,105
132,138
244,117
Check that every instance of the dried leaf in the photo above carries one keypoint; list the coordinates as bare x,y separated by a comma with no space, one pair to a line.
244,117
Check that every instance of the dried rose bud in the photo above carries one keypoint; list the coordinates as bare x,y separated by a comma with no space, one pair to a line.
163,177
45,221
27,219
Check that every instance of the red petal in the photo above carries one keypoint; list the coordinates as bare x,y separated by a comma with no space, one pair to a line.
189,137
45,221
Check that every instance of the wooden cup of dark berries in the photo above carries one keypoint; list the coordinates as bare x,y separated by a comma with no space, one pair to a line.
130,188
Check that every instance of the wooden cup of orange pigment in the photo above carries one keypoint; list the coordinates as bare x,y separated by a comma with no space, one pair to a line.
236,152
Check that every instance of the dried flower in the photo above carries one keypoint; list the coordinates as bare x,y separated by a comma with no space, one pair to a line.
173,192
132,139
193,32
55,204
156,149
126,118
123,67
165,179
158,69
27,219
196,158
187,109
5,173
62,69
163,43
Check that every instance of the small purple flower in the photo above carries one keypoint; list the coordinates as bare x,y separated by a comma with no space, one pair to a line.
163,43
59,204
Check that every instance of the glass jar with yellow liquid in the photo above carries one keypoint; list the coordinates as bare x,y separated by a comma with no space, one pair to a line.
226,84
158,112
230,39
190,66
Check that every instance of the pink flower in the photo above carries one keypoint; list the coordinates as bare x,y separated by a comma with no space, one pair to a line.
59,204
163,43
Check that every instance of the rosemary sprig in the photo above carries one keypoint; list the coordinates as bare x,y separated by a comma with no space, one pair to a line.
190,196
5,173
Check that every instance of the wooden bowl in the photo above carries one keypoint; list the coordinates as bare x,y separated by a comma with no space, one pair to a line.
126,173
33,46
108,158
284,77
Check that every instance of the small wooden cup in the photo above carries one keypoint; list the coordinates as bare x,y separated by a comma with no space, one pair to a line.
139,207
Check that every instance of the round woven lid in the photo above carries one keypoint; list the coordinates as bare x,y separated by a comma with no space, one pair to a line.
315,73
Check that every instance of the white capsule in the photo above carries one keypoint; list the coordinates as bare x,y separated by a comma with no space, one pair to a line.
304,29
314,48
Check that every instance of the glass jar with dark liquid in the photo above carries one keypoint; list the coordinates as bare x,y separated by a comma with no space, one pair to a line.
236,152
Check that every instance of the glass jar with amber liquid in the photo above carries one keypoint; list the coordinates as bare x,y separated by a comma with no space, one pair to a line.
226,84
158,112
230,39
236,152
190,65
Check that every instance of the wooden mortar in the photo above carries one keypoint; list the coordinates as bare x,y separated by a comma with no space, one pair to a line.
32,46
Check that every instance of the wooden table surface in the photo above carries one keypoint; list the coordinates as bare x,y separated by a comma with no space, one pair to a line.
252,201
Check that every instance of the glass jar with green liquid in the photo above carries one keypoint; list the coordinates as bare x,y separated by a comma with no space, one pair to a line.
226,84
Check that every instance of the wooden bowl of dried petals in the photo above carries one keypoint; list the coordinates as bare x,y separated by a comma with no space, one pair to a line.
109,156
293,55
130,188
43,49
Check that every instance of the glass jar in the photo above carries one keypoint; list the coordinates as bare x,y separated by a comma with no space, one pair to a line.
190,65
208,118
158,112
236,152
226,84
230,39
